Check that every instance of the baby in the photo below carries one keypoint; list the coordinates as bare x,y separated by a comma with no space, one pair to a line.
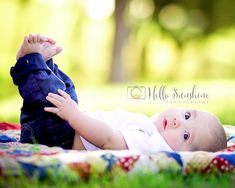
174,129
50,114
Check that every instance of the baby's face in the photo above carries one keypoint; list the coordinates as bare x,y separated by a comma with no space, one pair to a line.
183,129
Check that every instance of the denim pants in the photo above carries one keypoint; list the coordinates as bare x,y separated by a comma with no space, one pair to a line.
35,78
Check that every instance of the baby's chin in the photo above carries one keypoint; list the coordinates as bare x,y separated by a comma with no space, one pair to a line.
157,123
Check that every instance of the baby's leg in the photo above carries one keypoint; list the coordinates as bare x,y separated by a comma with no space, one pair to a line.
46,46
48,51
34,80
69,85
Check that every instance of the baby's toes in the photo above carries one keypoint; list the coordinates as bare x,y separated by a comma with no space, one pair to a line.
30,38
35,39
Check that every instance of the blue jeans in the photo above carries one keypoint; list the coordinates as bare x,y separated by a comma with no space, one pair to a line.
35,78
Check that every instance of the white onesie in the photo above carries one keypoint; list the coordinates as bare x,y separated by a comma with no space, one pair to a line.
138,131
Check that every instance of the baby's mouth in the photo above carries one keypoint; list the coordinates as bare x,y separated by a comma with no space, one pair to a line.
164,123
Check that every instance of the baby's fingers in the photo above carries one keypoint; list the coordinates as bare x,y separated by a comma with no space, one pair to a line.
56,97
63,94
51,109
54,100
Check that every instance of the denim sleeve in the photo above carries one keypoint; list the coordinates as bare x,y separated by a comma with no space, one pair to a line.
27,64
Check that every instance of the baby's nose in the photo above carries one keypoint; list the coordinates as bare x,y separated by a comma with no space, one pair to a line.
175,123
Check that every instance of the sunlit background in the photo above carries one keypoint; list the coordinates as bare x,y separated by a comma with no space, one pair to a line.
110,46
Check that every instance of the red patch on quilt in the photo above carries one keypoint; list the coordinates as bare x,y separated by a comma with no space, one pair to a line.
127,163
9,126
220,164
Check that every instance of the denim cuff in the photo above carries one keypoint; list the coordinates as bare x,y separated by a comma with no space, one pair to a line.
27,64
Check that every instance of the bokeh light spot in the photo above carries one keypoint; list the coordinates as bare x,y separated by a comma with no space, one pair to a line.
141,9
99,10
173,17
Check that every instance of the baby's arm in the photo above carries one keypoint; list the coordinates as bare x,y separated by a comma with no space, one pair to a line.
93,130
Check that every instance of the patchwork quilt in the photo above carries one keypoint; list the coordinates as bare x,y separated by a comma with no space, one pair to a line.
30,159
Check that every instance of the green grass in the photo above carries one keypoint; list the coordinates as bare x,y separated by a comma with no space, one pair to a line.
139,180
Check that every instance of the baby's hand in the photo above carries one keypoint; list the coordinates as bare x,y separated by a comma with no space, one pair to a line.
65,107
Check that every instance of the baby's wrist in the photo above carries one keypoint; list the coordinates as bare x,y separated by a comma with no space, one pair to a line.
72,117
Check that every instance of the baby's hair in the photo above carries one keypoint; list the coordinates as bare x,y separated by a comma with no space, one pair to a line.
217,140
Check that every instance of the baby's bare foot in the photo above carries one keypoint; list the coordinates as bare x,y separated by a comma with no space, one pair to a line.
31,44
26,48
47,47
48,50
38,44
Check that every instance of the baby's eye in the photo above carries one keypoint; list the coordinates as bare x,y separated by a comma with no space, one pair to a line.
187,115
186,135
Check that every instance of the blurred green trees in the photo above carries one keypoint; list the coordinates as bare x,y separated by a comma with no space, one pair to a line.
110,41
127,40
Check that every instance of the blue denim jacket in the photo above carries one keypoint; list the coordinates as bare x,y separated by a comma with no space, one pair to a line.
35,78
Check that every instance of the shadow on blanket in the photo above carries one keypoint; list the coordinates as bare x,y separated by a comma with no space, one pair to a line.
16,158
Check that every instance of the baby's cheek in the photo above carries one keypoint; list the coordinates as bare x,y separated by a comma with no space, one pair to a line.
171,141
